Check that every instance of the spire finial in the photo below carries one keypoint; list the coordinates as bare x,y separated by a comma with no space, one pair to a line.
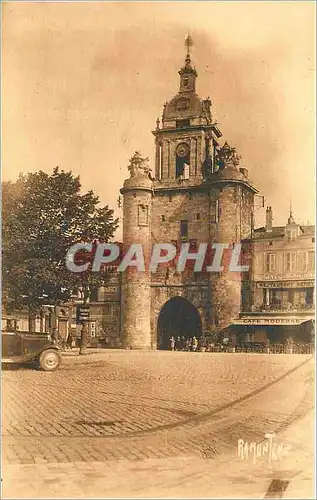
188,43
291,219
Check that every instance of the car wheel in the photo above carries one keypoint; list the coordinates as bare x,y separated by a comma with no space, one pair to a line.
49,360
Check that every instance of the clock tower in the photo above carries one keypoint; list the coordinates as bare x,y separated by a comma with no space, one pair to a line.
198,194
187,136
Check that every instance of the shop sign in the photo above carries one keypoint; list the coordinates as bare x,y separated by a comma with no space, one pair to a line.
270,321
82,313
285,284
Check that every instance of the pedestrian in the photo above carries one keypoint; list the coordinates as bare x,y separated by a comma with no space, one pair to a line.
70,340
183,343
194,344
267,345
187,346
178,344
190,344
172,344
202,343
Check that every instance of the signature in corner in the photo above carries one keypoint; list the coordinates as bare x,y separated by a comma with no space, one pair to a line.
268,447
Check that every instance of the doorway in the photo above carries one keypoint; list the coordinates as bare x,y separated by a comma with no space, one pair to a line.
178,317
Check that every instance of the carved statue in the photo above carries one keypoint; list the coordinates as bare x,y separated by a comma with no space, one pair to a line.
139,166
207,105
227,156
164,109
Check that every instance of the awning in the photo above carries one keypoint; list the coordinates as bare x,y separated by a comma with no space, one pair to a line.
271,321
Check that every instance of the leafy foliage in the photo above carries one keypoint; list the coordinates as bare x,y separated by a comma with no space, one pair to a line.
43,216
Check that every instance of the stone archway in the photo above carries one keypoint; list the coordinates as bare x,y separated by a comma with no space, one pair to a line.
178,317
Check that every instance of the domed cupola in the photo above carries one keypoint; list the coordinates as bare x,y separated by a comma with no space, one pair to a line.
186,108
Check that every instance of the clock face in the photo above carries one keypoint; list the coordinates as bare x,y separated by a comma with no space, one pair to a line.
182,150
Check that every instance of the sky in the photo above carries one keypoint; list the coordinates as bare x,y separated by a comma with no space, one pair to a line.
83,84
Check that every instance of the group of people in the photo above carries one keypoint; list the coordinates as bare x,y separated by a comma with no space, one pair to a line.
183,343
205,344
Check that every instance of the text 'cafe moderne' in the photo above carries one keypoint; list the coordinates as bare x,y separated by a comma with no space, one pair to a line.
272,321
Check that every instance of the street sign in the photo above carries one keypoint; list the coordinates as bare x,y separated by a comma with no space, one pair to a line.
82,313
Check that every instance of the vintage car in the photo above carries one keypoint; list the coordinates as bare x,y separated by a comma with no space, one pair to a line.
30,347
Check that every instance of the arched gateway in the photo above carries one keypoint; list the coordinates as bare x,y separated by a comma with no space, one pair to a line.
178,317
159,206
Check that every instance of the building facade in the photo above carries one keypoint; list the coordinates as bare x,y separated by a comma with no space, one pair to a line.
199,194
281,304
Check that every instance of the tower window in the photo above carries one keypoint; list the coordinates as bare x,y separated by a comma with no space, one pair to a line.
186,172
182,160
214,211
197,216
160,161
185,82
143,215
184,229
163,218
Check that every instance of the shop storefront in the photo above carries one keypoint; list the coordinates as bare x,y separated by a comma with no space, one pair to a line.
288,333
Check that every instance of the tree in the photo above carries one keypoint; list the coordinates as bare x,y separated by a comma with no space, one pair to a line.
43,216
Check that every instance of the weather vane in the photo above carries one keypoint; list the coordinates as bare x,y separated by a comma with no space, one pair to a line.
188,43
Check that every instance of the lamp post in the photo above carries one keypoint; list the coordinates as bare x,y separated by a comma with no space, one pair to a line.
84,319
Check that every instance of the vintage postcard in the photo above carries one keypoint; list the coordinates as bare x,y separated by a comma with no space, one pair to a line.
158,249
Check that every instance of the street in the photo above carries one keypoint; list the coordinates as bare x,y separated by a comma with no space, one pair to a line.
139,424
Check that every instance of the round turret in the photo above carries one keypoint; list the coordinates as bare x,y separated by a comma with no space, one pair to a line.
228,173
235,197
136,284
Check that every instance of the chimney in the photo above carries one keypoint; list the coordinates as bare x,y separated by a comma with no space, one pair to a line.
269,218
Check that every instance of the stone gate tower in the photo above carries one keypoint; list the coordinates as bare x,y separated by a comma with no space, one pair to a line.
135,288
199,194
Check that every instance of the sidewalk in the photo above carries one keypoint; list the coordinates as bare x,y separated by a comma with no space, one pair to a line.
173,477
158,424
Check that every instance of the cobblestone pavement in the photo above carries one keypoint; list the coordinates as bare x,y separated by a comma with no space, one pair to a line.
121,414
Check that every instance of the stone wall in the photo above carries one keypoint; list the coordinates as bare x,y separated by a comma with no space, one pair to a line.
135,289
218,295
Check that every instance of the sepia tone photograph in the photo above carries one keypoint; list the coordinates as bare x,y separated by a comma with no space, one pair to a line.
158,249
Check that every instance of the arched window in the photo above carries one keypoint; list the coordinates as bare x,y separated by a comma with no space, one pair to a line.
182,159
